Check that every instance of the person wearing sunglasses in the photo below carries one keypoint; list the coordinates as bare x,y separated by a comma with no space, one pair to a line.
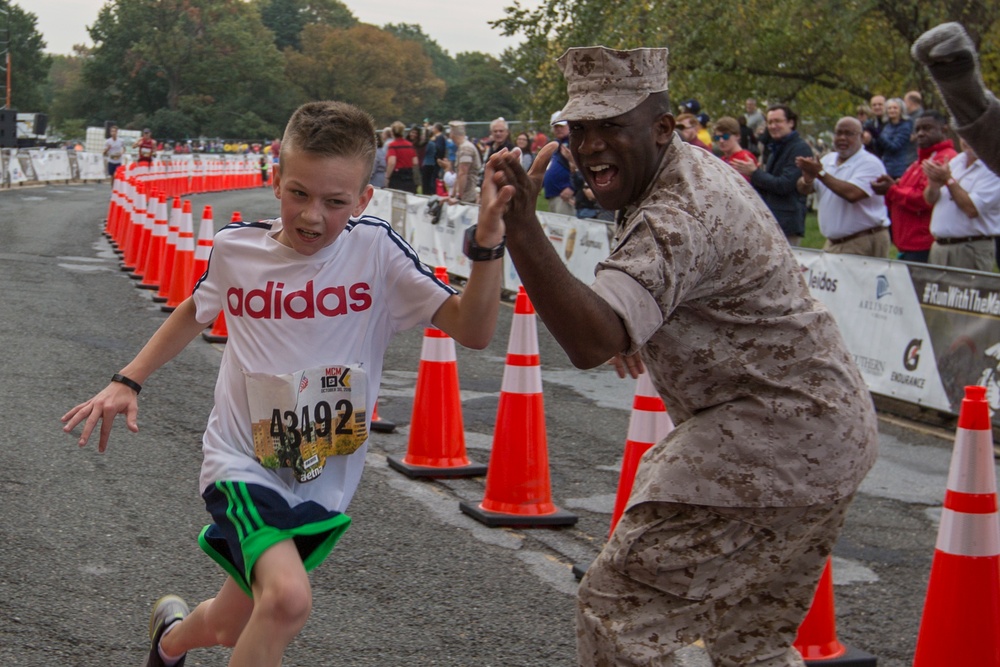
687,128
726,138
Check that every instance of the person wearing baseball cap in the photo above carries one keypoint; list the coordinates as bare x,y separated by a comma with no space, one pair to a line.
733,515
557,184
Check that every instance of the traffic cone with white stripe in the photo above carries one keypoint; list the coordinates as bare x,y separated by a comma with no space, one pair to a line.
170,250
518,491
648,425
436,446
133,232
153,274
817,639
202,252
961,619
180,275
123,214
146,236
115,203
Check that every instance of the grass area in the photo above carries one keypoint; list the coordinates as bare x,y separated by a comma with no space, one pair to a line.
812,239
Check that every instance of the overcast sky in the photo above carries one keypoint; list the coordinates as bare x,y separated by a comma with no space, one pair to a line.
456,25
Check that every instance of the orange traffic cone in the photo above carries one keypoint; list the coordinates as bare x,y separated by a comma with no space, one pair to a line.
115,203
962,609
517,484
133,232
180,275
219,333
157,246
123,214
169,252
817,636
146,236
206,234
236,217
648,424
380,425
437,434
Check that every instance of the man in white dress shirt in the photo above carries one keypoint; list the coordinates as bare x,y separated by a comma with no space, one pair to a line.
966,216
852,217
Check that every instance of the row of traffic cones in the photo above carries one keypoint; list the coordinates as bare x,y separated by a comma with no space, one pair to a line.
161,252
177,178
517,479
518,490
960,624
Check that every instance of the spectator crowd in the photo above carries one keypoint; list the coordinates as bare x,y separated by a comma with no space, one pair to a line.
893,175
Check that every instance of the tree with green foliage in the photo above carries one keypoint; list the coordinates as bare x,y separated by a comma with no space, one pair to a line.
824,57
29,64
63,90
287,18
445,67
483,90
391,78
186,67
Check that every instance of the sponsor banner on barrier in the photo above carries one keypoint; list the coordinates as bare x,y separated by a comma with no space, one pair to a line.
919,333
25,168
91,166
962,312
437,231
580,243
880,318
380,205
12,172
50,165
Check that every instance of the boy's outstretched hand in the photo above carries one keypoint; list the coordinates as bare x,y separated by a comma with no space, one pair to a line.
113,400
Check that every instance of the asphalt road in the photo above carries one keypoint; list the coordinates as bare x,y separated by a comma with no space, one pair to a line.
89,541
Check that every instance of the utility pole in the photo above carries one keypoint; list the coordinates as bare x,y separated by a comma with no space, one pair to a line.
6,52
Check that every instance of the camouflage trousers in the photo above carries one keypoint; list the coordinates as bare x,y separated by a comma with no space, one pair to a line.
740,579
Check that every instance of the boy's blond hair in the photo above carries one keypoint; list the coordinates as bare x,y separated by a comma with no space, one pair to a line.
331,129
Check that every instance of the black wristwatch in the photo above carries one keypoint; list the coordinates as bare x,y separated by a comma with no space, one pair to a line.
476,252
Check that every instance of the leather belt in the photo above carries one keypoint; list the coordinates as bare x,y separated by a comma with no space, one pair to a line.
952,240
857,235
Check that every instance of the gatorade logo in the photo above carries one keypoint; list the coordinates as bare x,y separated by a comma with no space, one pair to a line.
276,302
822,282
911,356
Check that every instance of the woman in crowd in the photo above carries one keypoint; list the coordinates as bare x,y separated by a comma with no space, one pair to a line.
726,138
401,161
893,142
417,137
523,142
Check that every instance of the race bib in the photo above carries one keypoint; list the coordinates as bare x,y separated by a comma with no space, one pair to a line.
298,420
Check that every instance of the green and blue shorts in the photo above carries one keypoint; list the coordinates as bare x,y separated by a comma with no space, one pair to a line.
250,518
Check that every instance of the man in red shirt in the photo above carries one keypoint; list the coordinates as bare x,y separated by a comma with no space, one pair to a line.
909,211
146,147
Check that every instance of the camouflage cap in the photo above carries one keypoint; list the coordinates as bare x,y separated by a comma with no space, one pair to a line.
603,82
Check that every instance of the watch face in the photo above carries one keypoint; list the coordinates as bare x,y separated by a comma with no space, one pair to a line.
477,253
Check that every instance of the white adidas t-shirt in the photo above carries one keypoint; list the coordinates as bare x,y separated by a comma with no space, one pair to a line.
286,312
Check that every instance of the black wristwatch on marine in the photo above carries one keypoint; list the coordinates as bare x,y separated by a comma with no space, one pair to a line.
476,252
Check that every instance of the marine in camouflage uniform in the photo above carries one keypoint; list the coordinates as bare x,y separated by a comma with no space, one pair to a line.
733,515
